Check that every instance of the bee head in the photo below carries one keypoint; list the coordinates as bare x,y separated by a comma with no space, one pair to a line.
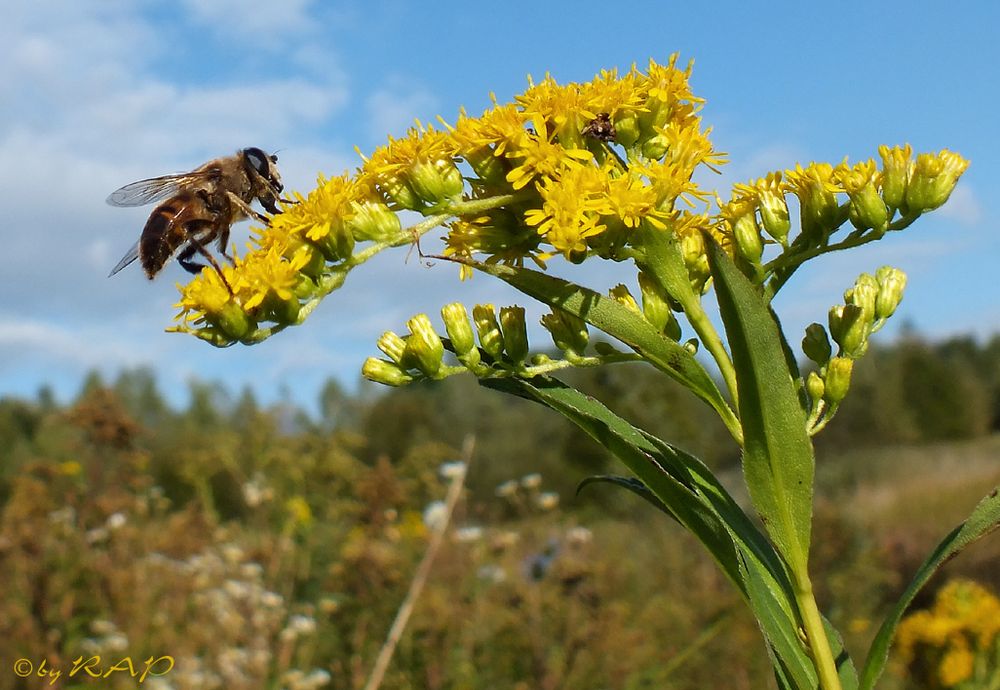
264,166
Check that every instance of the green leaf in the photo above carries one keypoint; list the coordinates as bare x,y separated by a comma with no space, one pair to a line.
630,483
777,453
984,519
619,322
697,500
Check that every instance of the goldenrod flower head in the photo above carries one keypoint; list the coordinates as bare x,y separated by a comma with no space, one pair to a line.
838,379
423,347
953,638
500,234
665,88
206,303
769,194
400,168
570,209
861,182
565,110
539,156
319,217
740,215
629,198
569,332
456,323
932,179
490,336
385,372
816,189
515,333
891,283
896,166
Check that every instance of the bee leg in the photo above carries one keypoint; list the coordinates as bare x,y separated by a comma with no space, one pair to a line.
184,259
248,210
223,241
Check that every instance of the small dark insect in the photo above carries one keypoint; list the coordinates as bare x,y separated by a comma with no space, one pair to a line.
601,128
199,208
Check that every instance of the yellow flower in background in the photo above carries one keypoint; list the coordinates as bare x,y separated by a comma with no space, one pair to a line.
956,640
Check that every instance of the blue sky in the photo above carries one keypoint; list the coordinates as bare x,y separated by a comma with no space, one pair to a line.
103,93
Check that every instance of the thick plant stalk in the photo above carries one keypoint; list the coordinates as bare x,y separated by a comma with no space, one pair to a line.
423,571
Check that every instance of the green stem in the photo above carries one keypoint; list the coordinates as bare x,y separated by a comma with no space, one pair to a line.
783,266
702,325
812,623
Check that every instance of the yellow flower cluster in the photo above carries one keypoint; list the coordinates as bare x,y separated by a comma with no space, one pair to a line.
576,169
955,639
874,195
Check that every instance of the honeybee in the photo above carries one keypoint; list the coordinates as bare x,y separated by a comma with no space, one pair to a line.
199,209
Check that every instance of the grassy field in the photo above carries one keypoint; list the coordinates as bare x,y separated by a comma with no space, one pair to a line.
287,573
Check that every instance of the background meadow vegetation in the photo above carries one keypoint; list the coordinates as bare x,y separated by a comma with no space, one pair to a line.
268,547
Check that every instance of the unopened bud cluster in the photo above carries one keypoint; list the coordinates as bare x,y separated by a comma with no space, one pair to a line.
867,305
758,212
503,342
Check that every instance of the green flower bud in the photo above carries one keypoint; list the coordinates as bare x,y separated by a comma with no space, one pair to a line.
774,211
748,239
488,166
569,332
373,220
398,190
814,186
696,260
816,344
424,345
281,311
338,243
393,346
436,181
654,148
627,129
891,283
863,295
932,179
386,373
815,386
305,288
308,256
656,306
867,210
515,333
232,320
456,323
490,336
896,166
838,379
848,327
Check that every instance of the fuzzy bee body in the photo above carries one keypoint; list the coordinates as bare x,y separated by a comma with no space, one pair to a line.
199,208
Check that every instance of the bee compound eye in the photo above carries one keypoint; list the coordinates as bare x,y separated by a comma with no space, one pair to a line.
258,159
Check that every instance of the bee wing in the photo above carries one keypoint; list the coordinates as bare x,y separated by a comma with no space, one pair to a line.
130,256
155,188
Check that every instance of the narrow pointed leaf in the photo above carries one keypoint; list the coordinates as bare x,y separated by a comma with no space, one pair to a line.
631,484
777,455
698,501
984,519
